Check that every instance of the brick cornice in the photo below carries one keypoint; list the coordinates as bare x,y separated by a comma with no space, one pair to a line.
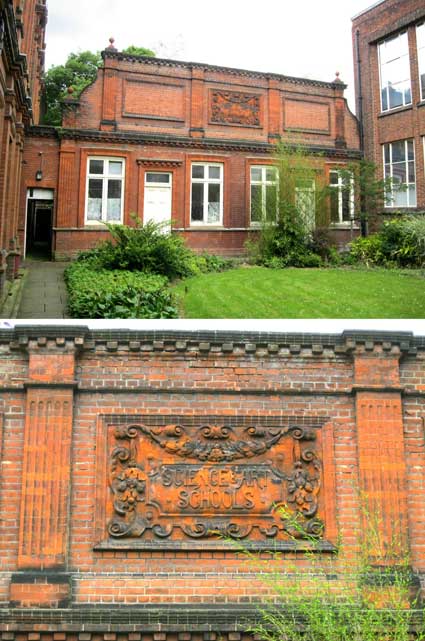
59,338
165,62
181,142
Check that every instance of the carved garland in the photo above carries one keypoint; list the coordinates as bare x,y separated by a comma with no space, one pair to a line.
231,107
211,447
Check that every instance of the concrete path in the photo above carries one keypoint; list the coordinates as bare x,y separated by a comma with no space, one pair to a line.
44,293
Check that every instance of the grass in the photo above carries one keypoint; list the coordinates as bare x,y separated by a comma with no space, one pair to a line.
258,292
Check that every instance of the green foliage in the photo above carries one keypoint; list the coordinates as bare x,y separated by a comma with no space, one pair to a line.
370,191
78,72
132,50
101,293
149,248
285,234
367,250
363,594
401,242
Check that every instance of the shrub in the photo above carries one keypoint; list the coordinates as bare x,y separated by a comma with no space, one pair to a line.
289,213
147,248
400,242
322,243
101,293
403,241
144,248
367,250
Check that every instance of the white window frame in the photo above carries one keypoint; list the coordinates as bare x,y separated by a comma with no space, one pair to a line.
340,186
263,183
158,184
421,57
206,181
311,190
104,177
392,205
380,64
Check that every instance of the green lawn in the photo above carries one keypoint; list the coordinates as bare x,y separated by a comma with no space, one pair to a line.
257,292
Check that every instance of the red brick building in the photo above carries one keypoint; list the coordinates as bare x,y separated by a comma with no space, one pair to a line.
22,27
389,58
123,452
184,141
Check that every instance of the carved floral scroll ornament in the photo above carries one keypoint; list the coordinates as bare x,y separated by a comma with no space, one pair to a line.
208,494
231,107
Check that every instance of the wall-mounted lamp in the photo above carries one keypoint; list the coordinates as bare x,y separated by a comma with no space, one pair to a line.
39,172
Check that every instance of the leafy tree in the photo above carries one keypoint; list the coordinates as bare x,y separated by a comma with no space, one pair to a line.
78,72
289,211
371,193
132,50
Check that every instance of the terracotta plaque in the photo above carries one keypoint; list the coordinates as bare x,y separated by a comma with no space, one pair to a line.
180,480
235,108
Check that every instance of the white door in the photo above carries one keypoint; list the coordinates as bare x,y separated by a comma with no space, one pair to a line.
157,204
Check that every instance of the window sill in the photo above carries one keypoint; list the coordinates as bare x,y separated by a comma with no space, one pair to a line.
205,226
344,225
101,224
400,208
395,110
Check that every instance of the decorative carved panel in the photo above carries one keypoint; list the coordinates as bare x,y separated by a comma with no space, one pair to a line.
235,108
184,480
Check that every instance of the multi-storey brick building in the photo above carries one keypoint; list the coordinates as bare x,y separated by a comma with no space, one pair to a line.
389,59
184,141
124,453
22,27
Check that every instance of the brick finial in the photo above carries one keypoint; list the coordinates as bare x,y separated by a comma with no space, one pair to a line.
70,95
337,78
111,46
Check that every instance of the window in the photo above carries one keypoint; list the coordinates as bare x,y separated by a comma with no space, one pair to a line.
420,38
395,72
105,179
207,194
263,194
341,196
399,166
305,201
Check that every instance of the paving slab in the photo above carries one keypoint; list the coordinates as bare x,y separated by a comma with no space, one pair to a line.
44,294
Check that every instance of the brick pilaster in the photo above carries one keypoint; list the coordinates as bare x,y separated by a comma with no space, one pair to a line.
275,110
43,541
380,440
197,104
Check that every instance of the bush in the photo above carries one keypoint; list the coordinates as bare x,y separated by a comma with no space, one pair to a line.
147,248
367,250
322,243
101,293
401,242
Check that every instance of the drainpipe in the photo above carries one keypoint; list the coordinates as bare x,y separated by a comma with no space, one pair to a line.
363,223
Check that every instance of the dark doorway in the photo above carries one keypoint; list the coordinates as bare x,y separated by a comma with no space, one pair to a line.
39,228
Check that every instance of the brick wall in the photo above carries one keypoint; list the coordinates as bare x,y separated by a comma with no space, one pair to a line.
20,85
356,401
369,28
